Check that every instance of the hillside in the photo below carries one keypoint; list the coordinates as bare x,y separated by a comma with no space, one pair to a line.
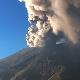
59,63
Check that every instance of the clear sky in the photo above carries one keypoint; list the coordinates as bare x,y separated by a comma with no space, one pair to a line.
13,27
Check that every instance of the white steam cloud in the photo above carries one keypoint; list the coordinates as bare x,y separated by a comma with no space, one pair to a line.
52,17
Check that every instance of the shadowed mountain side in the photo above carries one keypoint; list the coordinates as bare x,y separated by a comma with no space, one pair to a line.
46,63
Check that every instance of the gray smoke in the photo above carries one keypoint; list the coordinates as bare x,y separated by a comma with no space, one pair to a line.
52,17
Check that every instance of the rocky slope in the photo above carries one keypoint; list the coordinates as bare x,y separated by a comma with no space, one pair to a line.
59,63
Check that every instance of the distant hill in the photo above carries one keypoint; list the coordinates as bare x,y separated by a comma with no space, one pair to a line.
59,63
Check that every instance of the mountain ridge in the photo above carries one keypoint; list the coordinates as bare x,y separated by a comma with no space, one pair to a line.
59,63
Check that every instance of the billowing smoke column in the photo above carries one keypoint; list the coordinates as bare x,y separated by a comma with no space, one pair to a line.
49,18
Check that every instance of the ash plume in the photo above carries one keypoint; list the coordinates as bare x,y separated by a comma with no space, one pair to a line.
52,17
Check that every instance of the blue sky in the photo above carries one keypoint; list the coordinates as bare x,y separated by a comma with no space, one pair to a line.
13,27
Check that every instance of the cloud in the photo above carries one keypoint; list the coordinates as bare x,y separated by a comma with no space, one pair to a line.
52,17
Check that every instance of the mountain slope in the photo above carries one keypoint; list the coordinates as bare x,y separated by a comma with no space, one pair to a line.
46,63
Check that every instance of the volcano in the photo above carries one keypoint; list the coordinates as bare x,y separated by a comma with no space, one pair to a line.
59,63
53,40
